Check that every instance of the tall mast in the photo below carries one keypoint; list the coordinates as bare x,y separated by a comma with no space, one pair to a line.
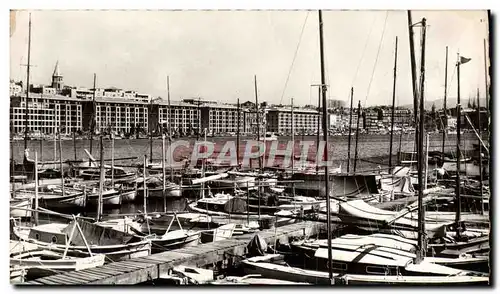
444,106
319,125
170,130
413,69
258,118
238,135
393,101
101,180
457,180
93,121
293,137
27,87
349,138
61,165
480,152
357,137
325,138
486,93
150,127
421,244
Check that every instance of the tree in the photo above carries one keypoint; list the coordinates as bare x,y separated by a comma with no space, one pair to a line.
468,104
474,104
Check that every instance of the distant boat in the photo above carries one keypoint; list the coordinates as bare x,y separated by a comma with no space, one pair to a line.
269,136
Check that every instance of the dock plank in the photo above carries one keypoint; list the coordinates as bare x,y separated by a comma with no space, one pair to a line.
61,279
77,275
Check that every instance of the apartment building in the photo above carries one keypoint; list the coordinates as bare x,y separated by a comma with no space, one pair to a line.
279,120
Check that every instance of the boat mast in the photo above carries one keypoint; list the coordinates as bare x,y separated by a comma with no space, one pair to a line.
486,83
325,138
457,180
444,106
413,73
319,125
36,189
170,130
422,246
101,180
112,160
357,137
349,137
61,165
293,147
238,135
150,126
393,102
27,87
258,120
163,172
480,152
93,121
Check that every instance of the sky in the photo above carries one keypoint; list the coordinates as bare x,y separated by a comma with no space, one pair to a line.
215,54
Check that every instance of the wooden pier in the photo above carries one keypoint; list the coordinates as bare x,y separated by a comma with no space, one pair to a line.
144,269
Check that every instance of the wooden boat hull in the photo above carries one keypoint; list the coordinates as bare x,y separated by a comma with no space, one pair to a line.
108,201
67,202
158,192
128,196
18,206
267,269
188,240
37,268
412,280
350,186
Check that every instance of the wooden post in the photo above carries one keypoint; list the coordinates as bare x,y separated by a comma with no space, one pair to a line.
101,180
36,189
41,150
393,103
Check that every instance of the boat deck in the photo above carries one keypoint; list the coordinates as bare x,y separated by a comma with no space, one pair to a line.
143,269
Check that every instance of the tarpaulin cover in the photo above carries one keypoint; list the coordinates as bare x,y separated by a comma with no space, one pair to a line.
257,246
235,205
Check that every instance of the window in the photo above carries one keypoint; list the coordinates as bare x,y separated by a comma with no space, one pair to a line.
377,270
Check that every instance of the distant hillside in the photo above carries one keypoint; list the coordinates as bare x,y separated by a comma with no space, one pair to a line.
450,103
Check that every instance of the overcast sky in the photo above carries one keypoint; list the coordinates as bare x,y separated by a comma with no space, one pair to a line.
215,54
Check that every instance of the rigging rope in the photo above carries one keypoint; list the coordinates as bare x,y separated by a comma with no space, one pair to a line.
364,51
294,57
376,58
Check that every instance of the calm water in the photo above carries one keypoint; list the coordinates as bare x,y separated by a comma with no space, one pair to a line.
369,146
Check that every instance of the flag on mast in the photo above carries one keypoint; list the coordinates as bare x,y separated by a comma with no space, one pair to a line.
463,60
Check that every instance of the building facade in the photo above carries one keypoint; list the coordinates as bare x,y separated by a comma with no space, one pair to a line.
279,120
